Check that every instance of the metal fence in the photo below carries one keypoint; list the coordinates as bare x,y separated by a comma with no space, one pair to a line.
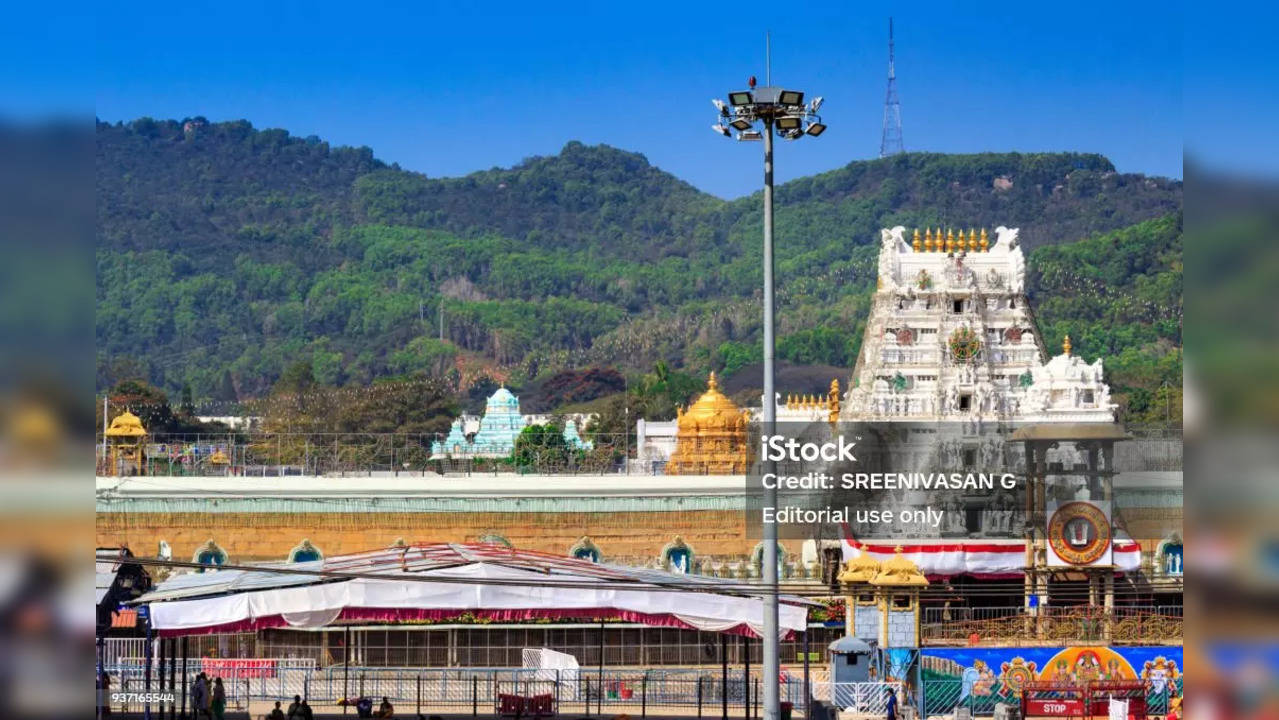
685,691
944,696
693,692
859,697
261,453
243,679
267,454
1067,625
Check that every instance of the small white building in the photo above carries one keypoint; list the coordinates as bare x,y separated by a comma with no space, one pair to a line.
235,422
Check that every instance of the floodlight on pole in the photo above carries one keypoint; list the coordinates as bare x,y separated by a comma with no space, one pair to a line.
790,97
720,129
789,122
782,112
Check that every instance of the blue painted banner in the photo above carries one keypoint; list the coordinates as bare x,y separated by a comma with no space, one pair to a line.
983,676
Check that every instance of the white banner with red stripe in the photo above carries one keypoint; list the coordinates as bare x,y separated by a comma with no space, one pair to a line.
990,558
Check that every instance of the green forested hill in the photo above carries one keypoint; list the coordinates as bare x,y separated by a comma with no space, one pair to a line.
225,254
1119,296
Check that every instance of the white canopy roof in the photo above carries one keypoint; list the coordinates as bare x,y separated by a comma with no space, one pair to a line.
440,582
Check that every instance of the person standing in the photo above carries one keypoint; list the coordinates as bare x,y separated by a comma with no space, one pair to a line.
199,697
104,695
219,700
891,710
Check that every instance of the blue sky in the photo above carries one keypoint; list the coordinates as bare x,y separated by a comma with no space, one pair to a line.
449,88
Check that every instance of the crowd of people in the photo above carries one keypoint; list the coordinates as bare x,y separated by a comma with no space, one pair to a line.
364,708
208,701
300,710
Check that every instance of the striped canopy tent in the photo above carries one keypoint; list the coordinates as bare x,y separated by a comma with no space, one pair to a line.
445,581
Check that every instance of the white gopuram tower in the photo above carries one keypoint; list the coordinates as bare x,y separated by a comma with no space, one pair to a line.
951,338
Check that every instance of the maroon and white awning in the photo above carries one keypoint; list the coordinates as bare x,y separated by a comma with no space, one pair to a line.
443,582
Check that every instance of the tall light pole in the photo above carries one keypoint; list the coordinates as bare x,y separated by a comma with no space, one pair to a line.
782,112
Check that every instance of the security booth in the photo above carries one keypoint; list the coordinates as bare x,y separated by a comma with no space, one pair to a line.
850,660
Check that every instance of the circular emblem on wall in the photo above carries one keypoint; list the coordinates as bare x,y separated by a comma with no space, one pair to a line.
905,336
1013,334
1015,675
964,344
1079,533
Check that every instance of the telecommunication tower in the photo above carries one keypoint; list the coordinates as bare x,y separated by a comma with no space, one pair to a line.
891,141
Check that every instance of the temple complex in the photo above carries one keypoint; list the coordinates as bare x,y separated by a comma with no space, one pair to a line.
951,337
656,440
494,434
1080,566
712,436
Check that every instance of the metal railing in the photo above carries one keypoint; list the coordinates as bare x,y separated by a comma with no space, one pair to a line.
1154,625
261,453
870,698
258,453
942,696
693,692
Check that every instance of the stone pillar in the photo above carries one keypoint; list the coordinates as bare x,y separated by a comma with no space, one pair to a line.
1028,574
1038,530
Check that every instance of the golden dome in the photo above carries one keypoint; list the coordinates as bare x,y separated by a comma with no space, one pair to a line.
861,569
899,571
711,437
713,410
126,424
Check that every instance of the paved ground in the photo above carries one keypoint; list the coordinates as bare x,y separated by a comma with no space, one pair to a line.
259,709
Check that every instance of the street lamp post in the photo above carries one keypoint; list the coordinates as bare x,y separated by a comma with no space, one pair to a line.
782,112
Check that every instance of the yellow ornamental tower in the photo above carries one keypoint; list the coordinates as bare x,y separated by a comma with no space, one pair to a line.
127,440
710,438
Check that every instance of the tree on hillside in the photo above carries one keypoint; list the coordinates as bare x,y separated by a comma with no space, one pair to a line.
542,447
151,405
613,428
